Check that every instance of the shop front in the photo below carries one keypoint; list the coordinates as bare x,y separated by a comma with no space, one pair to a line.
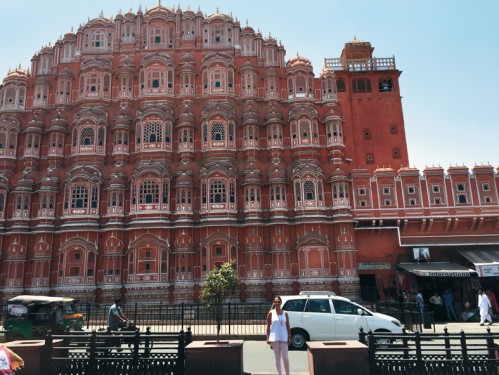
431,277
486,264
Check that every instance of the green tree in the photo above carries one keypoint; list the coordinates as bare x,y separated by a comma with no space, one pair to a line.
220,283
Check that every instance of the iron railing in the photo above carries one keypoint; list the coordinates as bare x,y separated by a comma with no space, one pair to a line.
238,319
107,353
431,353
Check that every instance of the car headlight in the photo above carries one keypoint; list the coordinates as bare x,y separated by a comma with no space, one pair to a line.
396,322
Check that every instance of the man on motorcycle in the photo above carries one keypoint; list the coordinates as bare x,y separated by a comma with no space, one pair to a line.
116,318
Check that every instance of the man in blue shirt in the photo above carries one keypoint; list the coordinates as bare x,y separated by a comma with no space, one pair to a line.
116,318
448,302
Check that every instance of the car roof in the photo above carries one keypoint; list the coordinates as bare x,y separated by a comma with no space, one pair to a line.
28,299
305,296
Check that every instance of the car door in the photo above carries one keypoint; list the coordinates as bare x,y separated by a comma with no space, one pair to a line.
348,321
318,320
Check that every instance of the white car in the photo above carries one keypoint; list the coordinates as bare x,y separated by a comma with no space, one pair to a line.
322,317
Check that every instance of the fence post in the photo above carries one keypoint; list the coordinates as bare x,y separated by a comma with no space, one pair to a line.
88,315
147,343
135,313
491,346
448,352
464,351
371,352
93,357
135,358
229,318
405,343
362,336
182,313
419,354
180,365
46,360
188,336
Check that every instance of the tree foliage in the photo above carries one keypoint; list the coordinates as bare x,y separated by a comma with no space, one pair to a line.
220,283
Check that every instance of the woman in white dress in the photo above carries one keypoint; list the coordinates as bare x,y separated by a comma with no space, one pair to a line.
279,334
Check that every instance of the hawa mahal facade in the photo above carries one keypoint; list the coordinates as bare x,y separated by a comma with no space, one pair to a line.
142,151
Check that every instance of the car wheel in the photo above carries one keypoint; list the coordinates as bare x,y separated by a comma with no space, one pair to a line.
383,342
299,339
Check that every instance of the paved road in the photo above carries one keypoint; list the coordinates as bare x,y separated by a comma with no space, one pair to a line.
259,358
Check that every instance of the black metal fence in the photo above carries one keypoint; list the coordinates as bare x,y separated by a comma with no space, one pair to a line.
239,319
109,353
431,354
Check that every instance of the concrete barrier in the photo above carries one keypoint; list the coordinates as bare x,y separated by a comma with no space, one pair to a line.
338,357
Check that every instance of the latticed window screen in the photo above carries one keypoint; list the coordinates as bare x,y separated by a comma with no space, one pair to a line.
298,191
113,202
95,196
101,137
309,190
304,129
205,133
149,192
232,192
152,132
165,192
168,133
79,197
44,201
217,192
87,137
217,132
2,202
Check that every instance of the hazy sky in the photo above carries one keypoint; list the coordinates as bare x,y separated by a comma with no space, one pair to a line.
447,50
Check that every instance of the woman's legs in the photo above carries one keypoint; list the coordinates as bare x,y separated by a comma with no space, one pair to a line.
277,355
281,351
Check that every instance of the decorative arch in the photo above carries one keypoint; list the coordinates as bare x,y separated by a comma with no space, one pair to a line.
77,262
147,259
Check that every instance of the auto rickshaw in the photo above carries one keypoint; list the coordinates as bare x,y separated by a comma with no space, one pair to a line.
30,317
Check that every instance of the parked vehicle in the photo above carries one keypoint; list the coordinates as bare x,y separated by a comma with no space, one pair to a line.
30,317
315,316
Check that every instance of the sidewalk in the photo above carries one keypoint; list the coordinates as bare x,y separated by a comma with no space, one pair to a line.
466,327
259,359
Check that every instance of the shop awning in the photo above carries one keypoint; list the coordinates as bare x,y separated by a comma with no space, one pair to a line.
437,269
486,261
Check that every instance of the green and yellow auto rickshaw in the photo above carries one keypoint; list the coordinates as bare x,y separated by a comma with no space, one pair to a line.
30,317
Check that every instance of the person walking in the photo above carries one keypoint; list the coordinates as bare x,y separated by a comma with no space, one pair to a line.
448,302
493,302
279,334
484,306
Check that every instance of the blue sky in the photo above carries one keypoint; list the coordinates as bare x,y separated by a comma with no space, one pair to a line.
447,50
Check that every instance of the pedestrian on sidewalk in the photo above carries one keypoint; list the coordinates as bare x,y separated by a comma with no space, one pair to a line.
484,306
493,302
437,306
448,302
279,334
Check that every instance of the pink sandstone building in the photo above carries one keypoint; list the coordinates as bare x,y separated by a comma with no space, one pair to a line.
140,152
